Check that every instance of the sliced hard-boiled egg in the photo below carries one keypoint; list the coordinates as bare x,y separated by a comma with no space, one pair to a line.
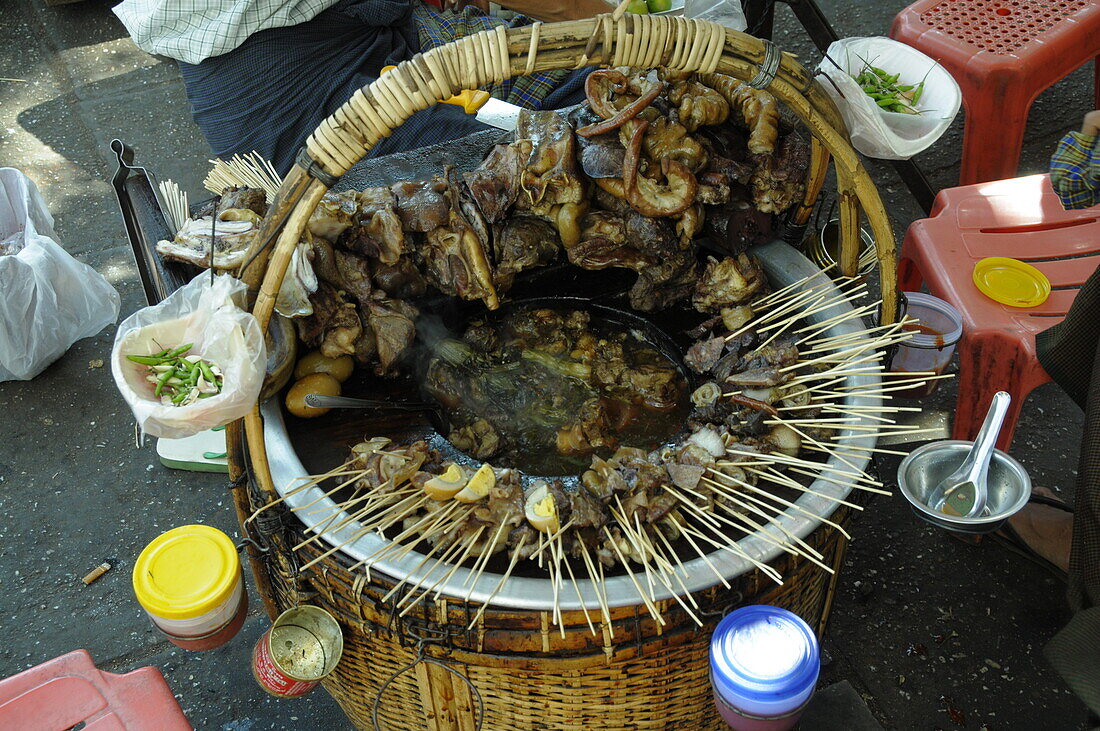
541,510
447,485
478,486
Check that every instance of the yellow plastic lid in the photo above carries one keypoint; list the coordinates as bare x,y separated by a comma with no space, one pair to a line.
1011,282
186,572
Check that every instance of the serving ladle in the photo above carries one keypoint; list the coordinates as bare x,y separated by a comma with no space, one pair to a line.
964,491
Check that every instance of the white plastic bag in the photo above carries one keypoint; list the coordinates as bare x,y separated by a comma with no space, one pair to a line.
48,299
874,131
723,12
210,317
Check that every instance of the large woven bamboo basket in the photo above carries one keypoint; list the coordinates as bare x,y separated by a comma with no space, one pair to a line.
514,669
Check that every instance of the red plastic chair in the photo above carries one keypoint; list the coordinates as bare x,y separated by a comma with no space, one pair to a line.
68,690
1020,218
1003,53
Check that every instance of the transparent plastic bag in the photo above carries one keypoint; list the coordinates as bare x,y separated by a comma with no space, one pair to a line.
874,131
723,12
210,316
48,299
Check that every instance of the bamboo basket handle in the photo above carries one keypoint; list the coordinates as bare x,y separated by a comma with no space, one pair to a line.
614,39
617,39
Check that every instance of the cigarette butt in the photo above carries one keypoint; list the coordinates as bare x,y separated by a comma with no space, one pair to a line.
96,573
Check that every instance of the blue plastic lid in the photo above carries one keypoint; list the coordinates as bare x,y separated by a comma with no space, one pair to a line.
764,655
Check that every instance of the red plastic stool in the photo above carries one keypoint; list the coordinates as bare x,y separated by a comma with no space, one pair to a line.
1003,53
67,690
1020,218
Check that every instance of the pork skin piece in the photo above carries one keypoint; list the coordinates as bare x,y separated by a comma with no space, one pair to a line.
551,175
401,280
376,230
456,257
495,184
779,178
392,323
354,275
252,199
731,281
334,214
521,242
334,325
421,205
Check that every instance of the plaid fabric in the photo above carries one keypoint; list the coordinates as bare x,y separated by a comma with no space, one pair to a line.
1075,170
437,28
193,30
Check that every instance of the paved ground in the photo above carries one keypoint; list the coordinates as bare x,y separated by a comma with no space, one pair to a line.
922,624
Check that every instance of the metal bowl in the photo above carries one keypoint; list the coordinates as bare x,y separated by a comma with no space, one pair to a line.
927,466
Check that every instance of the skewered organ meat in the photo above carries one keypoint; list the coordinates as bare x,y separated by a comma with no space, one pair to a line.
656,159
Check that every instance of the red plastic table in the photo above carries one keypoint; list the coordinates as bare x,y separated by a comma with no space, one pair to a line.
1020,218
1003,53
68,690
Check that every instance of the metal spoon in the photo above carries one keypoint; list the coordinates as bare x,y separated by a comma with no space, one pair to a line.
320,401
964,491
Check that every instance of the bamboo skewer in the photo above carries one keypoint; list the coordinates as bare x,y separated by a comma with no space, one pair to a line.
511,567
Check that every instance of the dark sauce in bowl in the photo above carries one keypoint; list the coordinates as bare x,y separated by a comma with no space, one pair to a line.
543,388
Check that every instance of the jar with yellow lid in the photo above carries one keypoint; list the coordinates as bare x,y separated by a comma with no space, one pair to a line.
189,581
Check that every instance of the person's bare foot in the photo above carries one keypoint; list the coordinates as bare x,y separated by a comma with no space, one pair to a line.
1046,530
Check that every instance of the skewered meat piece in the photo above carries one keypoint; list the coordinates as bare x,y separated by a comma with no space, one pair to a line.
758,368
519,243
422,205
495,183
585,511
704,355
401,280
455,255
504,503
728,282
550,174
758,110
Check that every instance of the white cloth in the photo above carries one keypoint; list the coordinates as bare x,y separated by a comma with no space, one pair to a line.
193,30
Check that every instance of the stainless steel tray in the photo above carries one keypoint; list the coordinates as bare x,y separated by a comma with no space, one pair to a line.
784,266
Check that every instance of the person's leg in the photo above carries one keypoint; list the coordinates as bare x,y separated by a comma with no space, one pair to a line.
271,93
1045,529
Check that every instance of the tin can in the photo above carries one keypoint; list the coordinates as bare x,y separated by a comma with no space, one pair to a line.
297,651
823,249
189,582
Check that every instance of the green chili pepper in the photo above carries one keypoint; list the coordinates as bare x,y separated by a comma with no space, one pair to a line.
180,350
179,397
918,92
161,382
886,102
206,372
149,360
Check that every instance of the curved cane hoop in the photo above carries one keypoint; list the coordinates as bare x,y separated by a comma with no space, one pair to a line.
474,61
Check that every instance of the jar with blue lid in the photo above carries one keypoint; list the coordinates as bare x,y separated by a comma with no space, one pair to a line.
764,663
